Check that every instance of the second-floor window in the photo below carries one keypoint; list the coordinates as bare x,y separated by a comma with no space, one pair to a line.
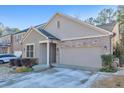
18,38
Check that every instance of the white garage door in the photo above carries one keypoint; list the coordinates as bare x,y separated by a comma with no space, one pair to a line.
87,57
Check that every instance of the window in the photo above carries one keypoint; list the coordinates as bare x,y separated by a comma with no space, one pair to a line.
30,51
58,24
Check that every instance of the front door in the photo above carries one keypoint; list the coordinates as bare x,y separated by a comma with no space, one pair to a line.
43,53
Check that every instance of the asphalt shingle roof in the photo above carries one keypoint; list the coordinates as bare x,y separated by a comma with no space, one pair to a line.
41,25
25,30
50,36
108,27
40,29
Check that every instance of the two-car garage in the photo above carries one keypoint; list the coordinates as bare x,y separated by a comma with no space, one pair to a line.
85,57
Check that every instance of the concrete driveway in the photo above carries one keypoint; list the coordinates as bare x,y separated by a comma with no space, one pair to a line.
52,78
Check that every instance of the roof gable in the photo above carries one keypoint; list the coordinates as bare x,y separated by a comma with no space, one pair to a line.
103,31
41,32
29,33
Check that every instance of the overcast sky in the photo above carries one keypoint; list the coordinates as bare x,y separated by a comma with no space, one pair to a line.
25,16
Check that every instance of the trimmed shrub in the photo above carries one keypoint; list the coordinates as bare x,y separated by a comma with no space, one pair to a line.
15,62
34,61
27,62
18,62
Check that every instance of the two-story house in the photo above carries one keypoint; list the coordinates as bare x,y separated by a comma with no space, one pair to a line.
16,44
6,44
11,43
16,40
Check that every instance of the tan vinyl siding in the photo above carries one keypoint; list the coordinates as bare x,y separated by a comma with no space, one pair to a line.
33,38
69,29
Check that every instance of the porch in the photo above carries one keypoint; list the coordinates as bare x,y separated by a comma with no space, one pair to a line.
47,52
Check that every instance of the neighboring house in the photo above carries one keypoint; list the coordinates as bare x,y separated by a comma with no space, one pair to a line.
112,27
17,38
17,45
65,40
6,44
11,43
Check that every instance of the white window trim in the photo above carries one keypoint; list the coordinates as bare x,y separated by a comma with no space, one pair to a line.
33,50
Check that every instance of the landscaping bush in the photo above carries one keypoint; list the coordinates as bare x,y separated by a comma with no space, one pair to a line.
12,62
107,63
34,61
18,62
15,62
107,69
107,60
118,51
23,69
27,62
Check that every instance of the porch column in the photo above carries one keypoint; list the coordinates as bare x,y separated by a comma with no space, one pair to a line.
48,49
